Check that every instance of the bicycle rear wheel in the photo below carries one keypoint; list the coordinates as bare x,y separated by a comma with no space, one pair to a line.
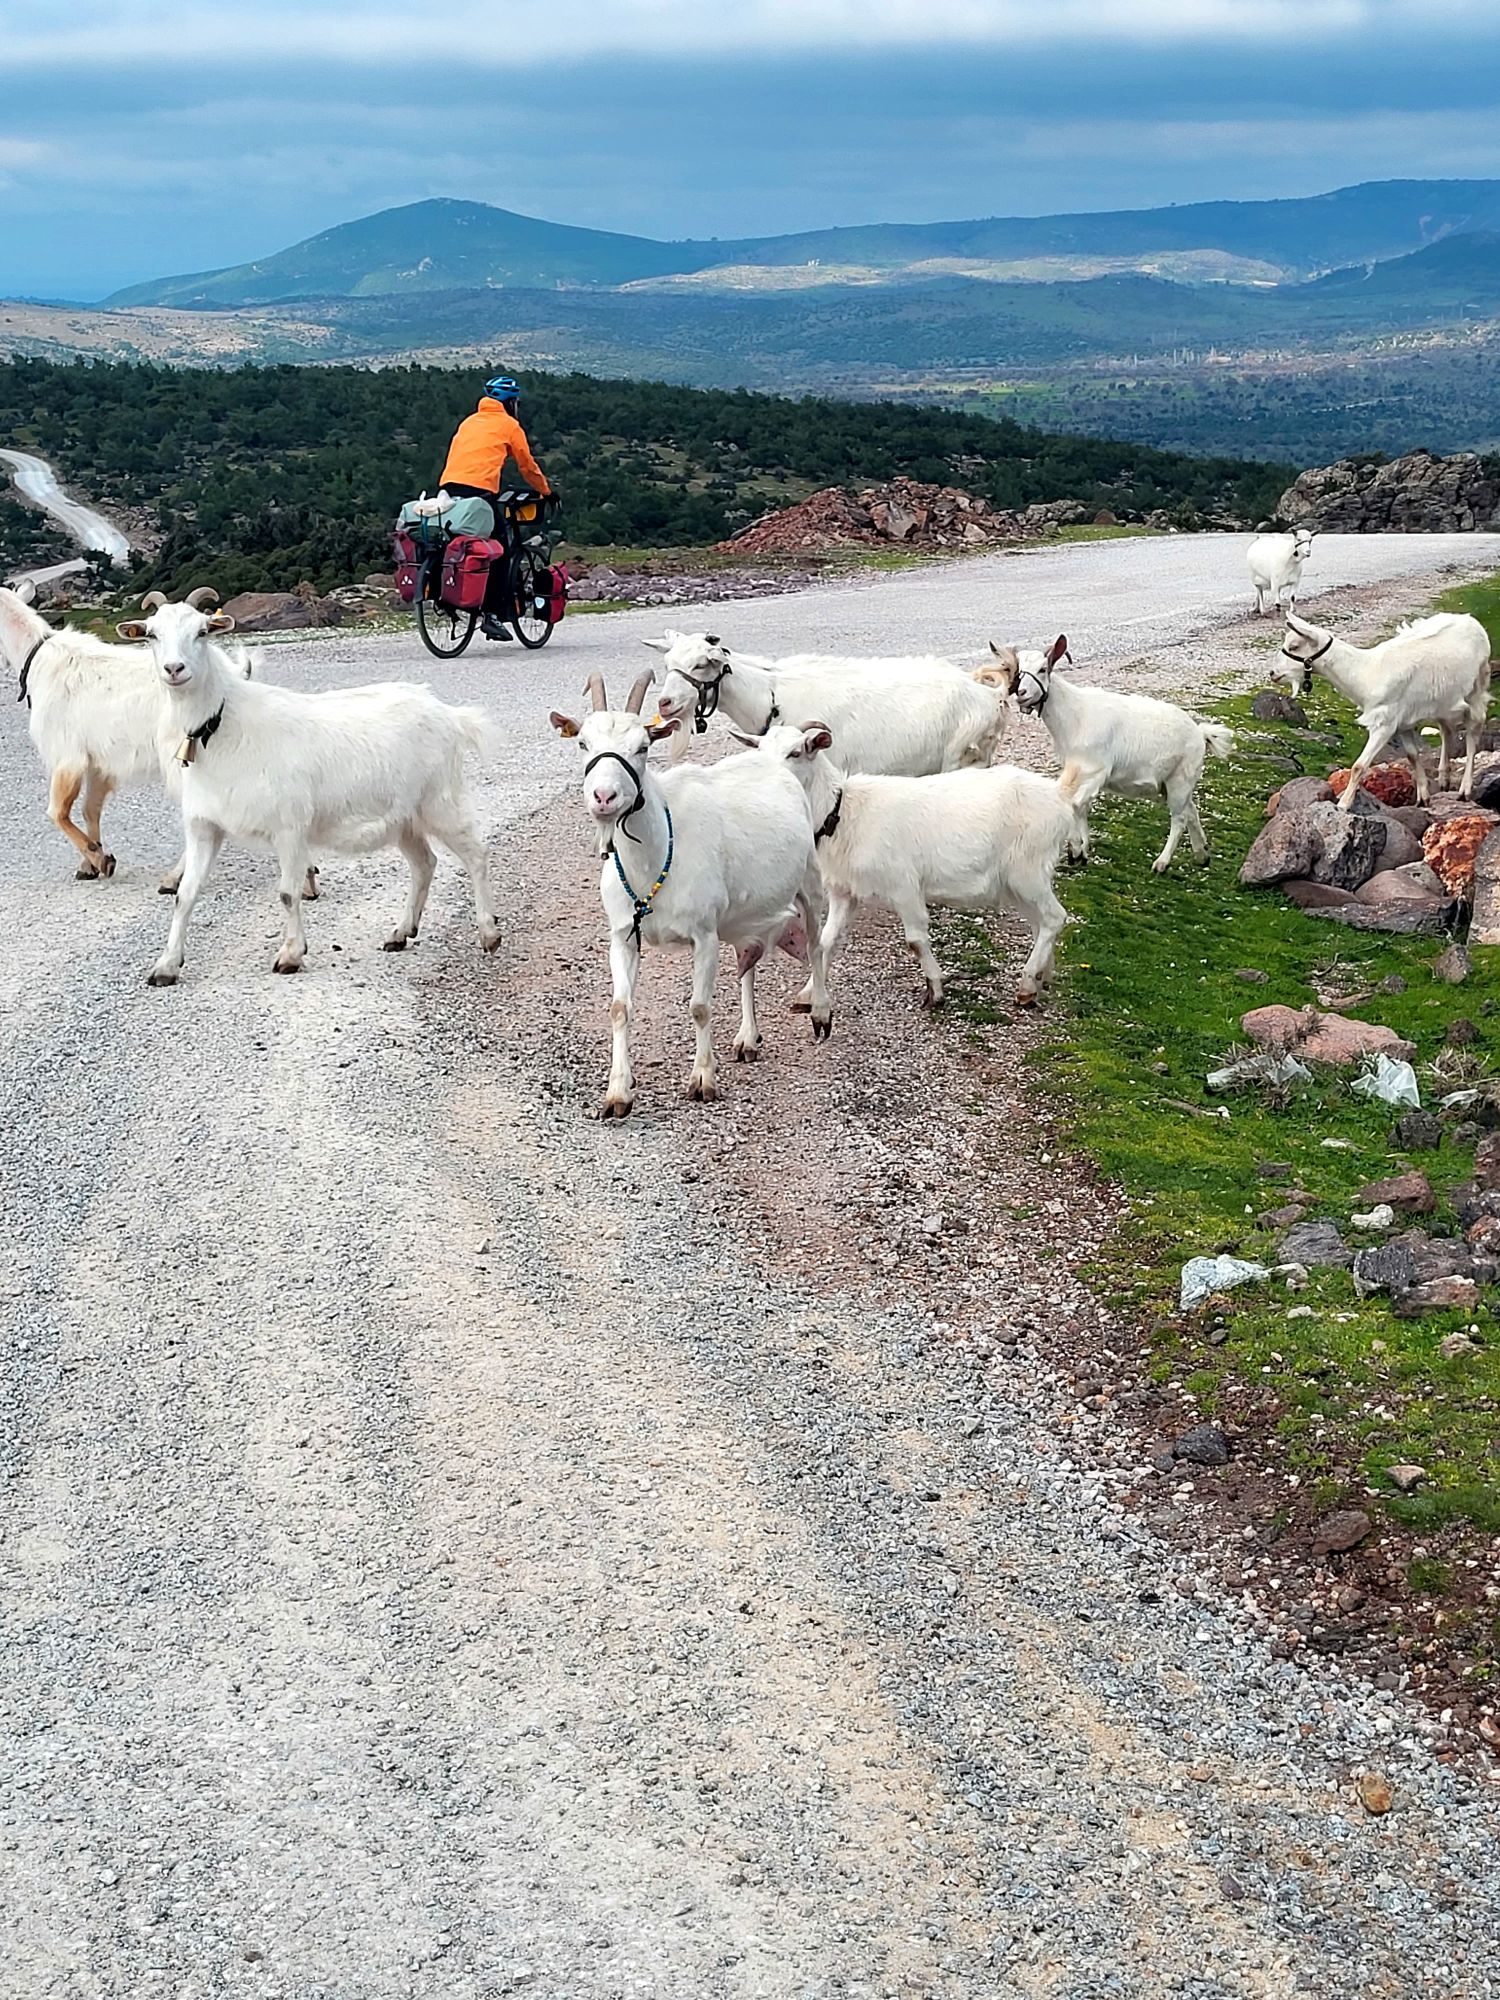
444,631
531,593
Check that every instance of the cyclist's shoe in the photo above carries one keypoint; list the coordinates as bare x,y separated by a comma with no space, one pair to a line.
493,628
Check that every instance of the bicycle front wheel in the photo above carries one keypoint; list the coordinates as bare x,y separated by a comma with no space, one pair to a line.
444,631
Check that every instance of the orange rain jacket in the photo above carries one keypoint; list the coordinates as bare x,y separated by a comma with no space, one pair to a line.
481,445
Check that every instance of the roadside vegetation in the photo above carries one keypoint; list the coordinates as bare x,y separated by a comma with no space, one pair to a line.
1150,994
263,477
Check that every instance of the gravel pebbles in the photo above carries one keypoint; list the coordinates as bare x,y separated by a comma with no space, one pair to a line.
456,1549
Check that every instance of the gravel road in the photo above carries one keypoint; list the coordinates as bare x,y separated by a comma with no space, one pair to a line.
443,1559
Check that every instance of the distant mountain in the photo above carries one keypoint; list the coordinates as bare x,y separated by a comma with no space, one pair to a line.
1460,274
448,246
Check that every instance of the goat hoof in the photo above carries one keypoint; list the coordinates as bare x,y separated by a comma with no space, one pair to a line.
160,978
166,888
287,965
1026,999
85,872
747,1051
396,942
106,865
1159,867
616,1108
822,1027
310,887
702,1091
490,940
931,1000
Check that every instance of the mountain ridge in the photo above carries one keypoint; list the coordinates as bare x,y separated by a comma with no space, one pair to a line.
444,245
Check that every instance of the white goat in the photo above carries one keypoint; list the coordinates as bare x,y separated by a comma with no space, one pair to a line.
699,854
354,769
902,716
93,719
1436,671
1106,741
971,840
1275,562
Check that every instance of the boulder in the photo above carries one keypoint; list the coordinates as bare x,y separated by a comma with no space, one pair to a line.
1413,882
1416,819
1340,1531
1436,1295
1417,1132
1451,847
1402,846
1485,925
1317,1245
1389,1267
1316,896
1407,916
1298,792
1408,1194
1320,1037
1271,705
1205,1444
1317,843
1487,1163
1388,784
1452,966
280,611
1418,493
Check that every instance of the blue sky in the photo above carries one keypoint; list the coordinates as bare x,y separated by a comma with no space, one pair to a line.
140,138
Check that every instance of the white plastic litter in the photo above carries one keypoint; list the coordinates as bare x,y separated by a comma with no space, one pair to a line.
1391,1082
1262,1067
1458,1100
1203,1276
1381,1216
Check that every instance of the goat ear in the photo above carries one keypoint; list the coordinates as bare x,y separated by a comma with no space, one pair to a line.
133,628
658,730
1059,649
740,736
817,736
25,590
563,724
658,645
221,622
1006,655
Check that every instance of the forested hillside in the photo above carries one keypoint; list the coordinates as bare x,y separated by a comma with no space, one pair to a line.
259,477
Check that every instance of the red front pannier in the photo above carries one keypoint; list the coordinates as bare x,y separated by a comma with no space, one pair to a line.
558,578
466,570
408,564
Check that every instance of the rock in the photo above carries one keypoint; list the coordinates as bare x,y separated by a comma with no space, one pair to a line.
1202,1277
1387,784
1417,1132
1314,1244
1205,1444
1408,1194
1320,1037
1283,1218
1487,1163
1437,1256
1452,966
1402,848
281,611
1485,925
1294,1277
1251,976
1375,1793
1316,896
1451,848
1271,705
1392,983
1340,1531
1437,1295
1461,1034
1298,792
1273,1170
1380,1217
1318,843
1454,1346
1410,916
1416,493
1398,885
1483,1235
1416,819
1405,1478
1388,1268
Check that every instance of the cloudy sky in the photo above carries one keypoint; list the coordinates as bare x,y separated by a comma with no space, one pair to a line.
140,138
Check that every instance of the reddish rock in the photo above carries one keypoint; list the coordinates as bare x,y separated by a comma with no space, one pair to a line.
1487,1162
1316,842
1484,1235
1319,1037
1338,1532
1299,792
1391,784
1485,927
1414,882
1451,847
1436,1295
1408,1194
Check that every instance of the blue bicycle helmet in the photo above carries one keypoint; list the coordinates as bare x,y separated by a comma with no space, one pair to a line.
504,388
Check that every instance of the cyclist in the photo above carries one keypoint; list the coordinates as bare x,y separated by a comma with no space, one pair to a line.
477,457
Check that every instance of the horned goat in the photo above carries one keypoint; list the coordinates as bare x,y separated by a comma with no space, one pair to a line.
93,718
1275,563
1106,741
696,855
985,840
1435,671
353,769
906,717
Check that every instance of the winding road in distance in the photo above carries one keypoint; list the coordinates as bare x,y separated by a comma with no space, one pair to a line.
36,479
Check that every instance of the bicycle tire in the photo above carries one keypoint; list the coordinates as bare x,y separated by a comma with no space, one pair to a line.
531,586
432,613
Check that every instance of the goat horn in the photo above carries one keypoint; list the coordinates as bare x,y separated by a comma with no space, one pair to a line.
638,693
203,596
593,687
153,600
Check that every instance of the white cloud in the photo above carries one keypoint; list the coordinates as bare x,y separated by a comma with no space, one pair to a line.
115,31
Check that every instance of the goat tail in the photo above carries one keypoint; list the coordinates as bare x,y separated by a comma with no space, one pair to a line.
1219,739
476,731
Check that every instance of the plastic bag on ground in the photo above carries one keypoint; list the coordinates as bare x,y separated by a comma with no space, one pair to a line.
1391,1082
1203,1276
1262,1067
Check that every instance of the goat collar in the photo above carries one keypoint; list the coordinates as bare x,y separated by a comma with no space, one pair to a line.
1312,658
830,824
636,803
197,739
25,691
1046,691
642,904
708,699
774,716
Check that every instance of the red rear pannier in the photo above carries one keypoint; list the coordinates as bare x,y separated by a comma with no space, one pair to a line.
558,575
408,563
466,570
